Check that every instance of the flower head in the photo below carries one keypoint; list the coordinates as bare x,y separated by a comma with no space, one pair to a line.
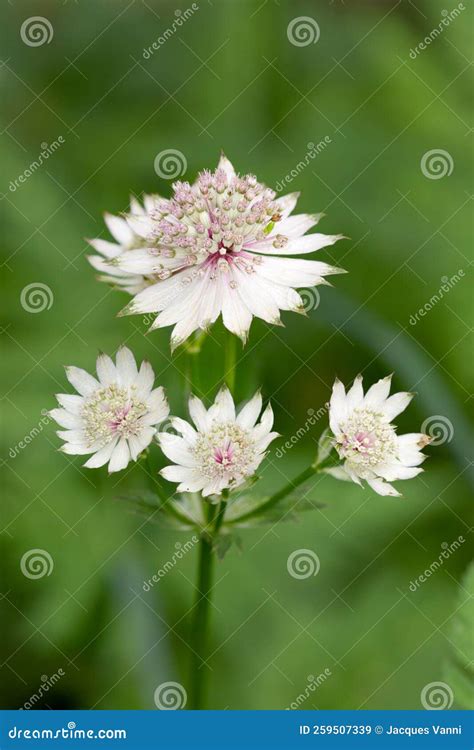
217,247
222,450
115,416
366,440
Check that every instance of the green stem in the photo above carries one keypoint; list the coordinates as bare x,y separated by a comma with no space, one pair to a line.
199,634
274,499
230,364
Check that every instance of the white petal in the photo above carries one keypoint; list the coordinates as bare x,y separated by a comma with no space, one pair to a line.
298,246
66,419
76,435
226,167
295,272
119,229
337,406
378,392
396,404
126,366
355,395
286,204
104,247
75,449
223,409
256,296
296,226
102,456
106,371
338,472
120,456
198,414
235,314
392,472
138,443
248,415
183,427
264,426
84,383
383,488
70,402
144,381
176,449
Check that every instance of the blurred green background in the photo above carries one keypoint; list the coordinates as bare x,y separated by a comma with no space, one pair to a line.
229,78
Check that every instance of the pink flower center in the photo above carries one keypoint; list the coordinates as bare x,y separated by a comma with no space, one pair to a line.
225,454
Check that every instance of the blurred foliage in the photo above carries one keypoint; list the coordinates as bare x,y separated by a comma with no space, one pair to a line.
229,78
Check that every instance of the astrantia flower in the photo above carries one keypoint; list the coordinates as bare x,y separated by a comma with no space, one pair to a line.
126,240
217,247
113,417
223,449
366,440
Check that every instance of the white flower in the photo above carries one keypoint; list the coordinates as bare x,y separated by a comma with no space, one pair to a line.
114,417
224,449
126,240
217,247
366,440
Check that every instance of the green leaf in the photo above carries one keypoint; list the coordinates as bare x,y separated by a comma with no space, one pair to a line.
459,670
174,514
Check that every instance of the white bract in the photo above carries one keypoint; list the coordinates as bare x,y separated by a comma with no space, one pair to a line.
366,440
222,450
115,416
125,240
216,247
